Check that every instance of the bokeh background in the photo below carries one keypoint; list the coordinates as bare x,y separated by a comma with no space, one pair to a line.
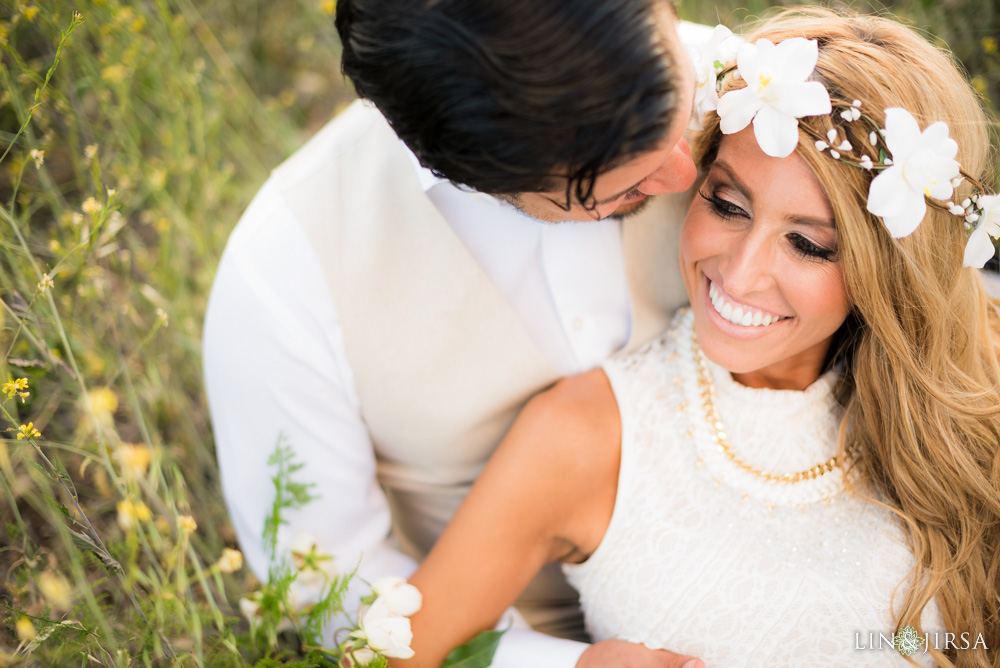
121,176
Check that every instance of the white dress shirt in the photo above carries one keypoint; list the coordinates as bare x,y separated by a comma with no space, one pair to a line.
290,373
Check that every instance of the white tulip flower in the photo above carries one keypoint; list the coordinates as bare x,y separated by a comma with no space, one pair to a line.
777,93
923,165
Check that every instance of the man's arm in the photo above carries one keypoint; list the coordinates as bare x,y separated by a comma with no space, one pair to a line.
275,365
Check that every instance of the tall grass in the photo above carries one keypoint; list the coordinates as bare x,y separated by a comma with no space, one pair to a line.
124,168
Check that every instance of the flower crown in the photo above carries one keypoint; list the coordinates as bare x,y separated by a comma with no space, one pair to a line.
914,168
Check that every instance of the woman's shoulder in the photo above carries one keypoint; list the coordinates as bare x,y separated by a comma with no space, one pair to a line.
579,412
566,444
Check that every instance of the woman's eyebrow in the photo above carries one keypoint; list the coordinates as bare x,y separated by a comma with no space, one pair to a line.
731,173
746,192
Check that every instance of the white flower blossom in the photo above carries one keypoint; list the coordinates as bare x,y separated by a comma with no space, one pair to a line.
866,163
401,597
388,634
922,166
708,62
777,93
979,248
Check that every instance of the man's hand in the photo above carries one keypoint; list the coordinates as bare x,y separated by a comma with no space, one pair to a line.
621,654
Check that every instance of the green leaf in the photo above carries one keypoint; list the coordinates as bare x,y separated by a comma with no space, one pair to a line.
477,653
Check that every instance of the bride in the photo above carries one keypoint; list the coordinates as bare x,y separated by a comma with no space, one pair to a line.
805,469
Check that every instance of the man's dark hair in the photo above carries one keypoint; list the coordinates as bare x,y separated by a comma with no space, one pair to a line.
509,96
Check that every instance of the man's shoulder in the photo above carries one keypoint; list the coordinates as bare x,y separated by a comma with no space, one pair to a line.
358,130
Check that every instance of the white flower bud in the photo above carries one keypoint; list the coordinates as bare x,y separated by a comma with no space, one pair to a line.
401,597
822,145
831,136
845,146
835,154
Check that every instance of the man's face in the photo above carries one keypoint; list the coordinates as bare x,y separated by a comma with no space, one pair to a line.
624,190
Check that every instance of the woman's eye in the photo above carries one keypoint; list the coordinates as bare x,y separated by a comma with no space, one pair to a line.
723,208
810,250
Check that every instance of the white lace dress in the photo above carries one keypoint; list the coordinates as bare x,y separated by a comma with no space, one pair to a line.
703,558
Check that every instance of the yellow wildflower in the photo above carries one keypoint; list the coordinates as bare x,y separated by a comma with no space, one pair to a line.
104,403
28,431
25,630
187,524
114,73
18,387
30,13
129,512
230,561
38,157
134,459
89,153
76,218
990,44
328,6
91,206
45,283
56,590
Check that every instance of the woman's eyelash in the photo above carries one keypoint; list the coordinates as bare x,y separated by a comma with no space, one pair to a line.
722,208
809,250
802,246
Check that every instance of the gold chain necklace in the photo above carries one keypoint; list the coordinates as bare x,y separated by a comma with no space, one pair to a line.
719,435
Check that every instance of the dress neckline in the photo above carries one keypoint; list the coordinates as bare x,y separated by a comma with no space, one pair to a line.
777,431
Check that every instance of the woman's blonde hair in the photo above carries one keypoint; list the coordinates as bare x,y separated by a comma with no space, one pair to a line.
921,348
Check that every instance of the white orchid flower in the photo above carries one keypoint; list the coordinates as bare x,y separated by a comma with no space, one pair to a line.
388,634
777,93
709,61
979,248
923,165
402,598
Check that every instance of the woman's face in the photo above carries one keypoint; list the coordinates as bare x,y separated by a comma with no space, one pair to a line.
759,254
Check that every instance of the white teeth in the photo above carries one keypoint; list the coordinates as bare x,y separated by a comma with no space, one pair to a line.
736,314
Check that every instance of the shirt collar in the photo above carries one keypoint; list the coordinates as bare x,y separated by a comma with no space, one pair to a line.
429,180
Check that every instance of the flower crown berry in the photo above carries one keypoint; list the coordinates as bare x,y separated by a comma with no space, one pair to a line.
914,168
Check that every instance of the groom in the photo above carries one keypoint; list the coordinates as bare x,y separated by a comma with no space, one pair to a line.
396,292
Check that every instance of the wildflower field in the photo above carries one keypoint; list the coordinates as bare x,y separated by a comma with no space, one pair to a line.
132,136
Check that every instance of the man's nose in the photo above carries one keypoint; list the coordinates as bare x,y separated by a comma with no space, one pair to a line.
676,174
